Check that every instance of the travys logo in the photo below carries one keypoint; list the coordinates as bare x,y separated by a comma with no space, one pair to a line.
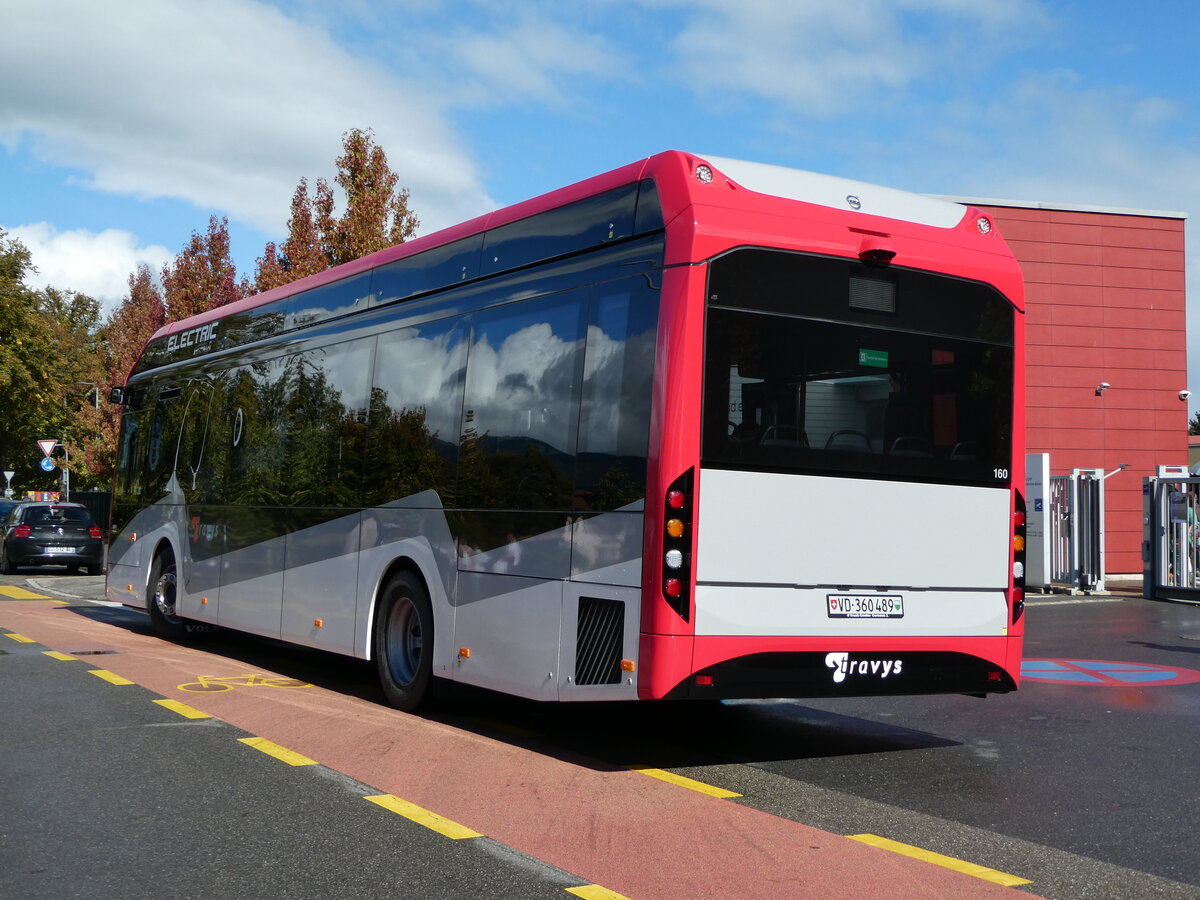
843,665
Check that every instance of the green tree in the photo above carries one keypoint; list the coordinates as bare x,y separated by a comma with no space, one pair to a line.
1194,424
47,345
376,216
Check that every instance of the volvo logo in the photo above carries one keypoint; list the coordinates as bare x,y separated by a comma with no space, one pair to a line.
853,201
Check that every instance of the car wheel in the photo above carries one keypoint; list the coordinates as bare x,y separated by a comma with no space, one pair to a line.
160,598
73,570
95,569
403,642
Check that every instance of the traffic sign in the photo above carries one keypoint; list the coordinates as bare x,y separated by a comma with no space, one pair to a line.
47,464
47,446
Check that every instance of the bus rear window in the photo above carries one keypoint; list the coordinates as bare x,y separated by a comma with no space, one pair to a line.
801,375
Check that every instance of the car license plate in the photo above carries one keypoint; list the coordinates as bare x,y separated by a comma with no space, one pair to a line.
60,549
865,606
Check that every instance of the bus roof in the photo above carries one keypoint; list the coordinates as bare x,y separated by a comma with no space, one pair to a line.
681,180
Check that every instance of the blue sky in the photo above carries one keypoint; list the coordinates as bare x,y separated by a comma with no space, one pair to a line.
125,124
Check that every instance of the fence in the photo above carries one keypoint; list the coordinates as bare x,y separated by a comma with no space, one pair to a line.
1171,547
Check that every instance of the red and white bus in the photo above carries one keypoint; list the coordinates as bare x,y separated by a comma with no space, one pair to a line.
691,428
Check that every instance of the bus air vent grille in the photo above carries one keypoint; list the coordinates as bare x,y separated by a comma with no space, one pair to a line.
598,641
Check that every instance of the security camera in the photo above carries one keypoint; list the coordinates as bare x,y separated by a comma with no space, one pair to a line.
1183,395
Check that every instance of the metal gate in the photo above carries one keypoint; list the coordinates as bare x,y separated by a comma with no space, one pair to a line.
1171,512
1076,531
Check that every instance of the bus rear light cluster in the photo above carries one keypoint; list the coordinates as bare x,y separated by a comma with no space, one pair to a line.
1018,557
676,575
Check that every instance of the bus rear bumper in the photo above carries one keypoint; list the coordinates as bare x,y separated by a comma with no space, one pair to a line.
721,669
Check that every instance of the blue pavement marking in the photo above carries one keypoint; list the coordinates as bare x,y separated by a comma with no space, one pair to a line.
1104,672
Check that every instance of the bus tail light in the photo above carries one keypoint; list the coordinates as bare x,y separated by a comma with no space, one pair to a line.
1018,557
676,568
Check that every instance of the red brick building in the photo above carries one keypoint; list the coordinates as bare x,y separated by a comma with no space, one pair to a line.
1105,298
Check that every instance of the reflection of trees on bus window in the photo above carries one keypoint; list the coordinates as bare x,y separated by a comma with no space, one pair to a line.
522,391
415,407
614,416
193,436
324,415
256,465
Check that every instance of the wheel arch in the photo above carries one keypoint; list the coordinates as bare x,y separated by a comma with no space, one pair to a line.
397,565
162,545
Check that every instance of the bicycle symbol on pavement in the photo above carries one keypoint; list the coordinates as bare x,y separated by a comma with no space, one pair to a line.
213,684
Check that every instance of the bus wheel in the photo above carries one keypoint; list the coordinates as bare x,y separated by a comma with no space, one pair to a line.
160,599
403,642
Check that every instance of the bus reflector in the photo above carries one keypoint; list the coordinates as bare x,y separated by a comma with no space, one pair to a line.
464,652
1017,598
628,665
676,571
319,623
704,680
204,601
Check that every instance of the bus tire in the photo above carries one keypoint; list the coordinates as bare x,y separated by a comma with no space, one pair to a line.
160,598
403,642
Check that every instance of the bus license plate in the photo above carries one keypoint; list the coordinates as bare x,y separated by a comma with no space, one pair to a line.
865,606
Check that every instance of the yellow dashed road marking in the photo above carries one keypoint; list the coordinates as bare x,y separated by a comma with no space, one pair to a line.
682,781
54,654
422,816
595,892
291,757
947,862
20,593
110,677
20,638
188,712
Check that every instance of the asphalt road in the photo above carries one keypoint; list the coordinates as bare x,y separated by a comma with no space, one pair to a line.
1085,788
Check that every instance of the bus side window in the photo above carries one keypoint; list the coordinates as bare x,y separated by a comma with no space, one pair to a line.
517,449
618,374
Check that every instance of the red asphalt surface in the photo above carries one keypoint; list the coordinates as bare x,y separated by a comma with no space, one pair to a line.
622,830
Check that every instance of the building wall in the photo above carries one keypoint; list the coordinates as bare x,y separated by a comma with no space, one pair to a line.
1105,303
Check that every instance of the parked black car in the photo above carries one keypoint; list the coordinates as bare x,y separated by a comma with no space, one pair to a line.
51,534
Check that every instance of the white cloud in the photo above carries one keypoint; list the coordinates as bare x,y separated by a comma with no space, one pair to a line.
224,104
528,61
96,264
825,58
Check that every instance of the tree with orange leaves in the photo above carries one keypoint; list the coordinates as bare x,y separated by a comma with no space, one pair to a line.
376,216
